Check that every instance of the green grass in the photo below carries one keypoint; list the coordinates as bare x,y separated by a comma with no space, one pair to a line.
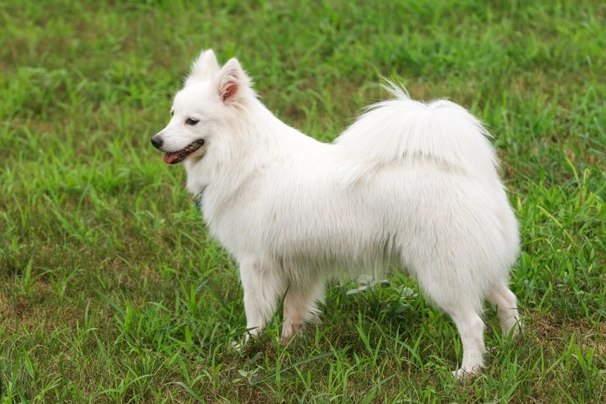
111,290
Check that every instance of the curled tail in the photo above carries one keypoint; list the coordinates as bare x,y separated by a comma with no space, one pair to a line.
402,129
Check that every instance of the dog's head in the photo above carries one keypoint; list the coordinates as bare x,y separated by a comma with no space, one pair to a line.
203,110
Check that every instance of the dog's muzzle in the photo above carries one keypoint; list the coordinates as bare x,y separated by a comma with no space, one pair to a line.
176,157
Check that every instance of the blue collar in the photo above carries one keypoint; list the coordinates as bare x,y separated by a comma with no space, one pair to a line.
199,200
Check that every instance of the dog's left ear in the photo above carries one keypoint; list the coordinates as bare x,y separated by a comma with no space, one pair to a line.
203,68
231,81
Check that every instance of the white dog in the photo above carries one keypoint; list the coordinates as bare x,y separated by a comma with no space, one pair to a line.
409,185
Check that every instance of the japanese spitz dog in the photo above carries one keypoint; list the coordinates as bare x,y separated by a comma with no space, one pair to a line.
409,185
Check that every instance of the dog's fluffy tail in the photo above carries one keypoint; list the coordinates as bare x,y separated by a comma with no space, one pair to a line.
402,129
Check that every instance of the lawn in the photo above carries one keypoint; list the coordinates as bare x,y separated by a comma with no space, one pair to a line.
112,291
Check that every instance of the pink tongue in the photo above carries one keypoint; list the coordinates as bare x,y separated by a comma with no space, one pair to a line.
170,157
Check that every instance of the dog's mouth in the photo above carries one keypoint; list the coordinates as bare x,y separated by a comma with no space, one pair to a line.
181,155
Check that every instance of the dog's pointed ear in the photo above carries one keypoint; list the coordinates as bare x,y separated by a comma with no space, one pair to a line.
231,81
203,68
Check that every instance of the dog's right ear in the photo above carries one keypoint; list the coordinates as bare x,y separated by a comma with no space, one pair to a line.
231,81
203,68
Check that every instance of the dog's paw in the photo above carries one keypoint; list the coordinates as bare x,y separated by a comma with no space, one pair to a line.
517,329
289,330
287,336
237,346
466,373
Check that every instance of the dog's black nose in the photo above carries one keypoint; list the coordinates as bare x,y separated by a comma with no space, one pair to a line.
157,141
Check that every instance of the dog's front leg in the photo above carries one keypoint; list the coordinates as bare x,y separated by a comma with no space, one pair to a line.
300,307
263,287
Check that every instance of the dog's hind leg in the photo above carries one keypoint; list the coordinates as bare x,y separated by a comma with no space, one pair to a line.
455,297
507,308
263,287
471,329
300,307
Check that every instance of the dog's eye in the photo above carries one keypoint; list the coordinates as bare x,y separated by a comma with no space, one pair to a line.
191,121
172,113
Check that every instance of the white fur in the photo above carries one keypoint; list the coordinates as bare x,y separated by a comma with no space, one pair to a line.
409,185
